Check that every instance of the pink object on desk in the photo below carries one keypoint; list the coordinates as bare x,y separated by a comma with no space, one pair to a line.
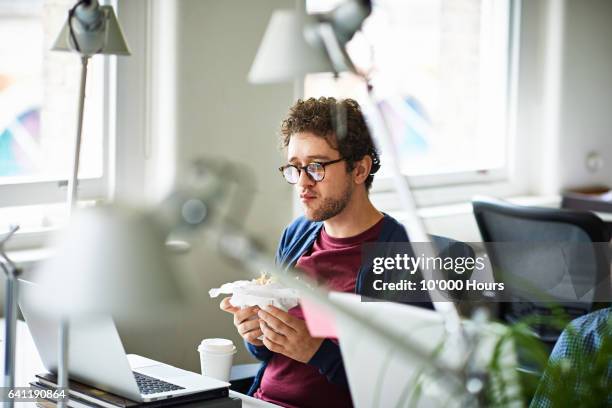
319,319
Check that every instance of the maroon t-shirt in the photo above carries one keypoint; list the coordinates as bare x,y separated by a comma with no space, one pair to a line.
333,262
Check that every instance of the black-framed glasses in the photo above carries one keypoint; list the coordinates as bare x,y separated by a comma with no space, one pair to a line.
314,170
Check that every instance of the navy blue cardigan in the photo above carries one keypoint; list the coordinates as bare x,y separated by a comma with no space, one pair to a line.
298,238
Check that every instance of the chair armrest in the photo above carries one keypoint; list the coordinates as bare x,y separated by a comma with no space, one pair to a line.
242,376
244,371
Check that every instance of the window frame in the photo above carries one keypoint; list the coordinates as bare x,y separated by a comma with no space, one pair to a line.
460,186
127,119
19,191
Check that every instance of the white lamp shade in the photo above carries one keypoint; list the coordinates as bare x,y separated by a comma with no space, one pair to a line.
109,40
284,54
109,260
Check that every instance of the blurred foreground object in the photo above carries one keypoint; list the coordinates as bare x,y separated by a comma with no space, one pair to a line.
110,260
90,29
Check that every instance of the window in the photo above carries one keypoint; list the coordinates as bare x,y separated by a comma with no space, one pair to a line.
441,73
38,108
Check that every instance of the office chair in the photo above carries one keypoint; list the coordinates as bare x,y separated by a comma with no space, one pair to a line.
450,248
563,257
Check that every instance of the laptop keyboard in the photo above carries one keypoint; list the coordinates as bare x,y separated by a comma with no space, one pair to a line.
150,385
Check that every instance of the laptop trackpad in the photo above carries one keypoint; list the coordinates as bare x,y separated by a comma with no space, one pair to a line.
162,371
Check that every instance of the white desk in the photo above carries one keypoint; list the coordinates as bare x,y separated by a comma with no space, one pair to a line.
28,364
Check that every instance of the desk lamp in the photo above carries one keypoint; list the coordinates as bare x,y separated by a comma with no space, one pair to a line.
90,29
284,53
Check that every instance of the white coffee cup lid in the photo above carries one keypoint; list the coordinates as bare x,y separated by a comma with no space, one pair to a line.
217,346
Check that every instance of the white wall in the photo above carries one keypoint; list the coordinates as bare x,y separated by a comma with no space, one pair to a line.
564,92
585,120
219,113
201,105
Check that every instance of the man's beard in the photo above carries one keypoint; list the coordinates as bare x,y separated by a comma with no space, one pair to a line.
330,207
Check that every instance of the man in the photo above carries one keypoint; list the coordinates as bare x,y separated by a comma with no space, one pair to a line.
579,371
332,172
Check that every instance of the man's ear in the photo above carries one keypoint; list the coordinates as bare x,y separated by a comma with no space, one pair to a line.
362,169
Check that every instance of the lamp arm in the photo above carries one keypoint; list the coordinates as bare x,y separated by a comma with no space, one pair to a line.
335,51
73,181
12,230
62,362
415,227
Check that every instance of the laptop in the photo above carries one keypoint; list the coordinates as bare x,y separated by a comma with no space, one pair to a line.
383,375
96,357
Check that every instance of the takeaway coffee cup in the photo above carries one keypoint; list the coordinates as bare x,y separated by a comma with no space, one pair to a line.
216,356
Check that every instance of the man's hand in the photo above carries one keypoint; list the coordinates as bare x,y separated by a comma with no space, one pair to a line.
245,320
287,335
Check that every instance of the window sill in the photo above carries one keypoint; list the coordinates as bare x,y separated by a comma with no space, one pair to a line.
465,208
28,259
37,223
457,220
385,196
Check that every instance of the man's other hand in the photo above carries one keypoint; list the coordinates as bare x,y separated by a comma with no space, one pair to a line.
287,335
245,320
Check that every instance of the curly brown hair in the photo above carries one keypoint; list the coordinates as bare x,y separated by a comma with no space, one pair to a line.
340,123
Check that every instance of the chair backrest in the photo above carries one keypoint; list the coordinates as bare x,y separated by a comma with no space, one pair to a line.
563,258
445,248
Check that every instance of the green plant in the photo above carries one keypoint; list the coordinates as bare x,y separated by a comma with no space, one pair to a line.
582,378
